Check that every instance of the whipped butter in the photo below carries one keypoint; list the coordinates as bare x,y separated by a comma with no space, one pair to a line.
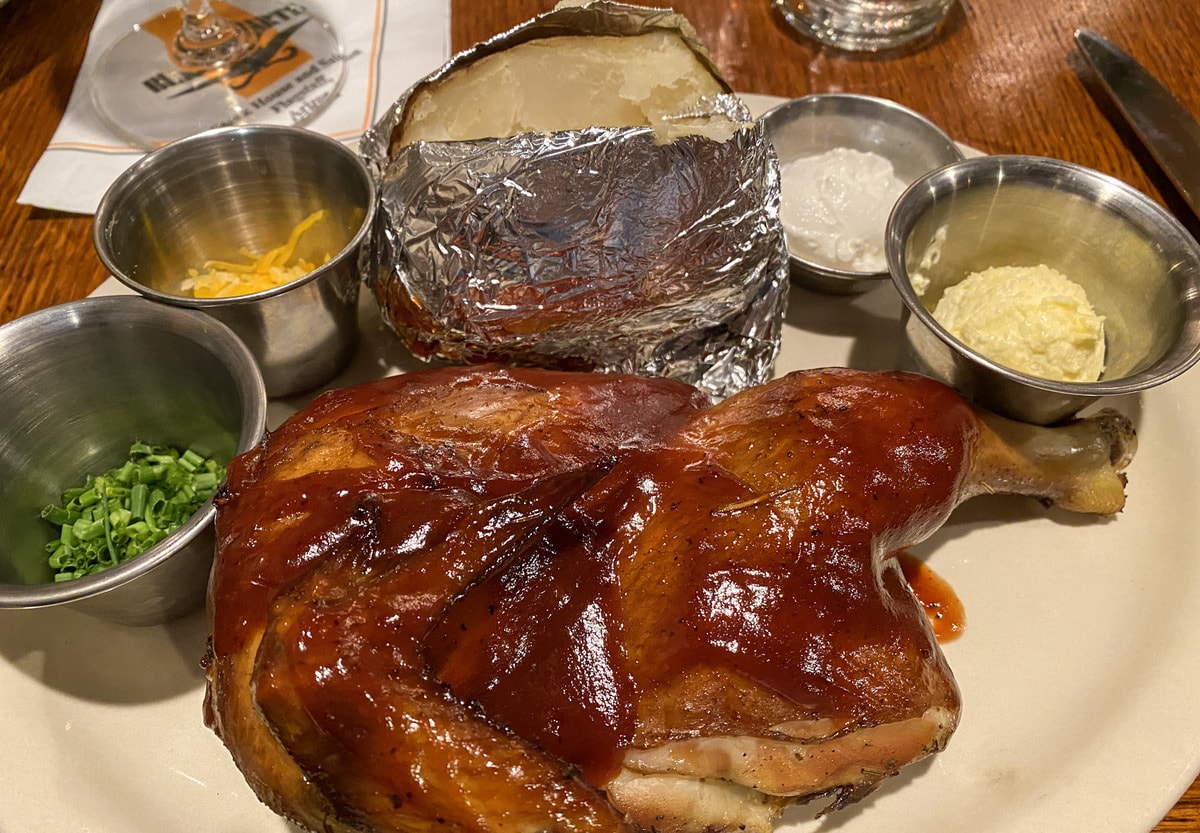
1030,318
835,207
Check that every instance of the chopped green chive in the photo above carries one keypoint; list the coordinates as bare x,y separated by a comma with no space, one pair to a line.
123,512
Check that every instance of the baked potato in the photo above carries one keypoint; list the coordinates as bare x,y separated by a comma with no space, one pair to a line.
582,192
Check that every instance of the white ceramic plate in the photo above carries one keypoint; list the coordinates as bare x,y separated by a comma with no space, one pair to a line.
1079,667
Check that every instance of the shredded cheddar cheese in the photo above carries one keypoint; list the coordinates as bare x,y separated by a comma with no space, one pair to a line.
222,279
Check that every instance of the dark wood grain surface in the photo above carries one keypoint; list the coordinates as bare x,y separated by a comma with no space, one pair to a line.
1002,76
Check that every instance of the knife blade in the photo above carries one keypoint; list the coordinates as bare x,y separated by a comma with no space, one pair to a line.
1168,130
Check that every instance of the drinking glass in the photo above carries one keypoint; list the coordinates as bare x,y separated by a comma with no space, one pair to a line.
203,64
864,25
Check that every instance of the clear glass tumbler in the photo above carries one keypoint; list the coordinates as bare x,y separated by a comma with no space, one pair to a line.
864,25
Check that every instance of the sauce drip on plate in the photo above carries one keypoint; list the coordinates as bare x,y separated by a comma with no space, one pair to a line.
942,605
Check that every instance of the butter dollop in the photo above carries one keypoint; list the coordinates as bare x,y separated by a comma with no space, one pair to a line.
1032,319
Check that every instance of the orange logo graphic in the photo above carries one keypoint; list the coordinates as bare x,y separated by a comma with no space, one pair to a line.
273,56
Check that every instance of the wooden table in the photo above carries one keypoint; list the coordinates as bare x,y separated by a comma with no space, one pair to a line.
1002,76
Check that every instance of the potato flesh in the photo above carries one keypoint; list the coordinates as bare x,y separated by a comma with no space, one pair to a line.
570,83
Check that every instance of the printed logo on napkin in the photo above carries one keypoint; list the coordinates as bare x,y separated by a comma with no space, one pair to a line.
276,57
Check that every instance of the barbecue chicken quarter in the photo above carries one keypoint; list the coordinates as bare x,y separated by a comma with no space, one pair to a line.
495,599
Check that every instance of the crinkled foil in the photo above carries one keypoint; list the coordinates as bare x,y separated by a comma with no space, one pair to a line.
600,249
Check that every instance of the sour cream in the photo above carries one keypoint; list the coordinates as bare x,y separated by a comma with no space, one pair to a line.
1030,318
835,206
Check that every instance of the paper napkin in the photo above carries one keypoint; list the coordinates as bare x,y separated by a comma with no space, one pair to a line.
389,44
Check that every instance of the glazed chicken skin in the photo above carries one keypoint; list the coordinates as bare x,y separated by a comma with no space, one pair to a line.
494,599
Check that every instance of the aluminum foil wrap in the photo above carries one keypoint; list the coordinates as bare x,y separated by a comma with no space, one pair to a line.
604,249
